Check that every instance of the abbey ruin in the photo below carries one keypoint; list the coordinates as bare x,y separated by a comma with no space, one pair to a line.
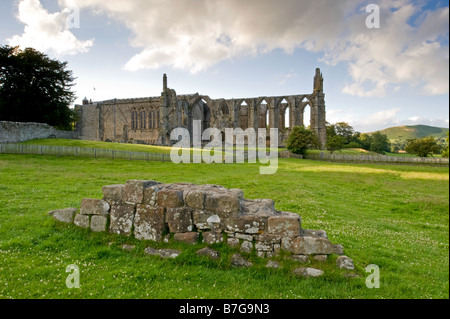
150,120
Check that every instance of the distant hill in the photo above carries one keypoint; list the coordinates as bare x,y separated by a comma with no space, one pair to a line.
414,131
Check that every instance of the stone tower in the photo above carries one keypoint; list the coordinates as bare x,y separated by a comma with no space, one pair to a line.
318,113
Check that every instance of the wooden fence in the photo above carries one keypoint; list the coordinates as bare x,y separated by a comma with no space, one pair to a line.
377,159
146,156
81,151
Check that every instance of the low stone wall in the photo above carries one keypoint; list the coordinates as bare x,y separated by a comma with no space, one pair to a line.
14,132
149,210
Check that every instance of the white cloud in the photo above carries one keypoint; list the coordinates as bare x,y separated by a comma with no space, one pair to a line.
397,53
46,31
340,115
376,121
194,36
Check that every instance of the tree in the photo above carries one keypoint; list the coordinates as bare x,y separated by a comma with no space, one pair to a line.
301,139
335,142
380,143
445,151
423,147
35,88
345,130
365,140
398,145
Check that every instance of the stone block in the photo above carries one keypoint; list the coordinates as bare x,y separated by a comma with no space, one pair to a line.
314,233
134,191
301,258
284,225
164,253
204,220
98,223
81,221
64,215
150,193
208,252
261,207
224,204
122,217
276,248
269,239
244,236
321,258
179,219
238,192
113,193
149,222
170,198
343,262
263,247
307,245
308,272
239,261
252,224
214,222
233,242
196,199
246,246
212,237
91,206
188,238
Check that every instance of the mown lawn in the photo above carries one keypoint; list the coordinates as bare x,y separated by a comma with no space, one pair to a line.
396,217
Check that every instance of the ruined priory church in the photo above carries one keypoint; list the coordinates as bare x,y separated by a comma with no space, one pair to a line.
151,120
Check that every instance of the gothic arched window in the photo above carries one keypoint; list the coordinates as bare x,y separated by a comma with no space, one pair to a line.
134,119
151,122
142,120
157,119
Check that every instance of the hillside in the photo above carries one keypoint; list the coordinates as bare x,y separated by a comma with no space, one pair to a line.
414,131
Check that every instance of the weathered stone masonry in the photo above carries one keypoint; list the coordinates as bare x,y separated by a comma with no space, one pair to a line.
149,210
150,120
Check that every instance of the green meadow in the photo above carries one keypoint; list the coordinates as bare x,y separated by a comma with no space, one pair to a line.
396,217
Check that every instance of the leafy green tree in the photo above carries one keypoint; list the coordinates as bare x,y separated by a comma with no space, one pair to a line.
445,151
335,142
35,88
398,145
380,143
423,147
345,130
365,140
302,139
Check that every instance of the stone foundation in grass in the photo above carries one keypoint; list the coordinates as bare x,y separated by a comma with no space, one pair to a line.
189,213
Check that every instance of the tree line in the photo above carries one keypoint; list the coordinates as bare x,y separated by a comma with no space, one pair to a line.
342,135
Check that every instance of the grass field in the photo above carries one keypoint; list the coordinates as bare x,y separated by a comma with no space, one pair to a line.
396,217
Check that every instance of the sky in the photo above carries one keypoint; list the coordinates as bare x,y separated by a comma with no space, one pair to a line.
376,76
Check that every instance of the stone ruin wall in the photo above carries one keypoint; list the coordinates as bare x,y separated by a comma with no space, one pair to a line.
149,210
16,132
111,120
